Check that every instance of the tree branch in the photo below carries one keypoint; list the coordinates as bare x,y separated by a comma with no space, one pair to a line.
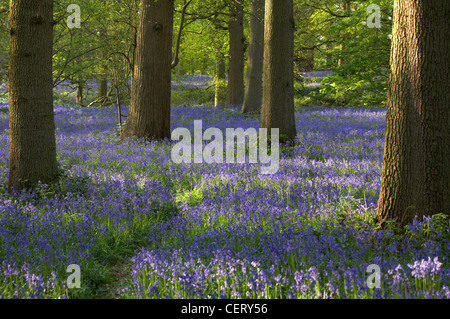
176,58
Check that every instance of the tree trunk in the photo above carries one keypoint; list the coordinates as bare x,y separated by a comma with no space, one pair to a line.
149,114
31,118
278,85
103,81
416,166
220,81
346,7
80,94
329,55
237,50
253,81
102,88
310,60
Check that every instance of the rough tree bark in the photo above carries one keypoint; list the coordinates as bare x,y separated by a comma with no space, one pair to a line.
416,166
31,118
253,80
237,50
149,114
278,84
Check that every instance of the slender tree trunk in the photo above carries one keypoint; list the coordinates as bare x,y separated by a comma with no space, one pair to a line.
310,60
237,50
416,166
329,55
102,87
220,81
31,118
346,6
103,81
149,115
253,80
176,58
80,94
3,66
278,85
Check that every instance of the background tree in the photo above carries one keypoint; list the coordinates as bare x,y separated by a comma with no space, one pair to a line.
346,11
253,79
322,26
4,40
278,83
104,46
149,114
362,79
237,51
31,118
309,37
76,57
220,82
205,49
416,166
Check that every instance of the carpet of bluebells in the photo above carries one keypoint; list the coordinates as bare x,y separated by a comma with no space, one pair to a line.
215,230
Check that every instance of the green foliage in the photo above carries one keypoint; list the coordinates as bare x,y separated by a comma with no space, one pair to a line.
193,96
325,33
204,35
101,49
437,227
4,40
338,35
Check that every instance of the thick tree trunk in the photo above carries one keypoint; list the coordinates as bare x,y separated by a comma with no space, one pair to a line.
237,50
220,81
416,167
31,118
149,114
278,84
253,80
